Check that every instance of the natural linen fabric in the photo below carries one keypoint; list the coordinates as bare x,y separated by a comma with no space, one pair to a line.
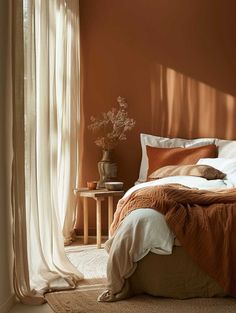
45,144
203,221
205,171
160,157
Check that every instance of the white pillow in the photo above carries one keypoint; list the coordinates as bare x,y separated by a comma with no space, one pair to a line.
227,166
226,148
164,142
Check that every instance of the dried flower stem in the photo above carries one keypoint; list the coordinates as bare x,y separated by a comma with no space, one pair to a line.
112,126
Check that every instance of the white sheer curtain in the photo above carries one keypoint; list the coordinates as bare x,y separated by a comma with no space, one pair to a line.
51,30
45,143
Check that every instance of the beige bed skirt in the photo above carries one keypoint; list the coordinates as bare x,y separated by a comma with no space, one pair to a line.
174,276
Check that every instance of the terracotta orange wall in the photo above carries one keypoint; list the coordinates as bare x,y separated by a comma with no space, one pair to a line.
124,42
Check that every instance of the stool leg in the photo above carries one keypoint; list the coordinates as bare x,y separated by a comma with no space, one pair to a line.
85,207
98,207
110,213
76,226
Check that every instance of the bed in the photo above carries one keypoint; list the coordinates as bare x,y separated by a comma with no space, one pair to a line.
145,254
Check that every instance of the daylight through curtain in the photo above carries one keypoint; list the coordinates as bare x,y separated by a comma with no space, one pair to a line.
45,143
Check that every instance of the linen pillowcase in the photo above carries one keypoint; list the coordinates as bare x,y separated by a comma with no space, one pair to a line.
226,148
165,142
159,157
204,171
228,166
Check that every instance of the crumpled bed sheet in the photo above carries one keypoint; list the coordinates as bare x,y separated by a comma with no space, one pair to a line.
141,232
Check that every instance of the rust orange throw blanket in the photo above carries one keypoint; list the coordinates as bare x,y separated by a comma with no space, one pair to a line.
203,221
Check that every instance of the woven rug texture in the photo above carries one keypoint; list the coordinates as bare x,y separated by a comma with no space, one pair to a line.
92,262
85,301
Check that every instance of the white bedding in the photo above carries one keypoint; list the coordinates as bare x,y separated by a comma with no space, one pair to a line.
144,230
189,181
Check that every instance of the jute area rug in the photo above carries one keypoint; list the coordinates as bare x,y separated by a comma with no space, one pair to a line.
92,262
84,300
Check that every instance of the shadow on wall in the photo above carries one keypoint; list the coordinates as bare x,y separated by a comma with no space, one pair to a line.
189,108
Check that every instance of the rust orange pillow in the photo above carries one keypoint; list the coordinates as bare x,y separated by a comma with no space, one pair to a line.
159,157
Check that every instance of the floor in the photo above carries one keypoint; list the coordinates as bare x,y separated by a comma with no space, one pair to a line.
92,263
82,256
21,308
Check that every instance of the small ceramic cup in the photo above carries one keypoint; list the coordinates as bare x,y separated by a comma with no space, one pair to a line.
92,185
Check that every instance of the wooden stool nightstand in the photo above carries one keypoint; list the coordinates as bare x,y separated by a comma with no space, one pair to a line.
98,195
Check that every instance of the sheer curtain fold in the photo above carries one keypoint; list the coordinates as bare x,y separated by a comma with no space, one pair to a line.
45,143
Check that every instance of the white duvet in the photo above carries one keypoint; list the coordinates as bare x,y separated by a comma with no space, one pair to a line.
189,181
142,231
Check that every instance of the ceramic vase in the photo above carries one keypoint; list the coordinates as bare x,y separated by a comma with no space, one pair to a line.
107,168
